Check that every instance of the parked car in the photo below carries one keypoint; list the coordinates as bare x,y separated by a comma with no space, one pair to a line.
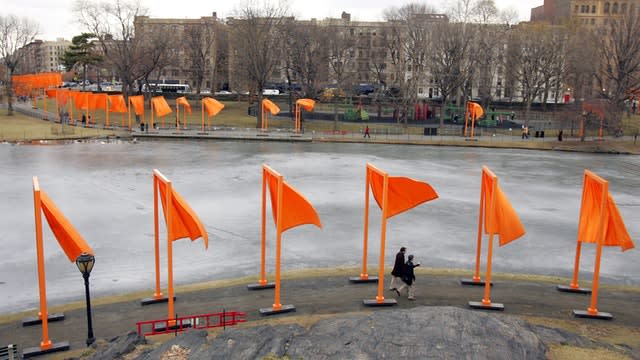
270,92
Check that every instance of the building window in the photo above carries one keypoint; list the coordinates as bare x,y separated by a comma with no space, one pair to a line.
593,21
606,8
614,8
575,9
623,8
593,9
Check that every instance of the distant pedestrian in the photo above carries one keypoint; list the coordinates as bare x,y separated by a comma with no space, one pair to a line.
560,135
366,132
398,270
409,279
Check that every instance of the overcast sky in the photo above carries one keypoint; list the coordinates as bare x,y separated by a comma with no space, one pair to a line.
55,18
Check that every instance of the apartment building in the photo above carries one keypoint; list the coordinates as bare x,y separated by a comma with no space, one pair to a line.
42,56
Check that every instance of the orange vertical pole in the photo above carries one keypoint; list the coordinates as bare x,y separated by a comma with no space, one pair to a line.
70,105
600,130
383,233
177,117
106,110
466,117
297,122
168,214
473,124
486,300
276,302
602,229
364,275
184,120
263,236
44,315
481,214
44,105
576,266
152,123
202,116
156,238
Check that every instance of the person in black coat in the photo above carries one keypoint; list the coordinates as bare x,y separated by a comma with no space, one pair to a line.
409,278
398,270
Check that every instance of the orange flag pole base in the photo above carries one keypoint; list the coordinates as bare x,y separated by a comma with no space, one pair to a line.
486,305
379,302
261,285
573,289
155,300
474,282
594,314
363,279
45,349
274,310
37,320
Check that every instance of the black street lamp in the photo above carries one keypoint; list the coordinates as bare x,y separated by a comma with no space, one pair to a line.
85,265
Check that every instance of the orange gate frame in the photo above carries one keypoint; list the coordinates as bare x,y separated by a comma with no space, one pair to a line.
486,300
601,238
308,105
379,300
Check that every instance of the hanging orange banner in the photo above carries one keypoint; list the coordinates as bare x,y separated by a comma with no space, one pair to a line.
183,101
212,106
404,193
138,104
117,104
160,106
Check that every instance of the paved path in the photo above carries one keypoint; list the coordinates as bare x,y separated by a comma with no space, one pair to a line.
330,295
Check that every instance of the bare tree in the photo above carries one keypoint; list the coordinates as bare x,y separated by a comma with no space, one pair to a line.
200,41
307,51
619,71
341,61
15,33
156,54
254,36
113,24
408,48
534,57
451,60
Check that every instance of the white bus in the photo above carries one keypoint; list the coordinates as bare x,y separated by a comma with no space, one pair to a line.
167,88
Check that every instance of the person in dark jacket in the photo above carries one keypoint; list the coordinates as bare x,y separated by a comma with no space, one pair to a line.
398,270
409,278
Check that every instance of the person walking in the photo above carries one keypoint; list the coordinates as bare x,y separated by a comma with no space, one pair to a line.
366,132
409,278
398,270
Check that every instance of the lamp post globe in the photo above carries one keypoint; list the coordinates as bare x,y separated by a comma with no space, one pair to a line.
85,264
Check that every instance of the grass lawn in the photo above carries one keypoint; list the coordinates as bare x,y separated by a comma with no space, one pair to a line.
20,127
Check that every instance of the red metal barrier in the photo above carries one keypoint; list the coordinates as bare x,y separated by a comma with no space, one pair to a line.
179,324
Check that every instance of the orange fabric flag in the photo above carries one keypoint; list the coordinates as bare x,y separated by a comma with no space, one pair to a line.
138,104
403,194
306,104
98,101
475,110
615,230
68,237
51,93
183,101
504,220
184,221
212,106
62,96
81,100
117,104
268,105
296,209
160,106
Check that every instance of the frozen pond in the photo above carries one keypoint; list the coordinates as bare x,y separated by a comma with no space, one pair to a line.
106,191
